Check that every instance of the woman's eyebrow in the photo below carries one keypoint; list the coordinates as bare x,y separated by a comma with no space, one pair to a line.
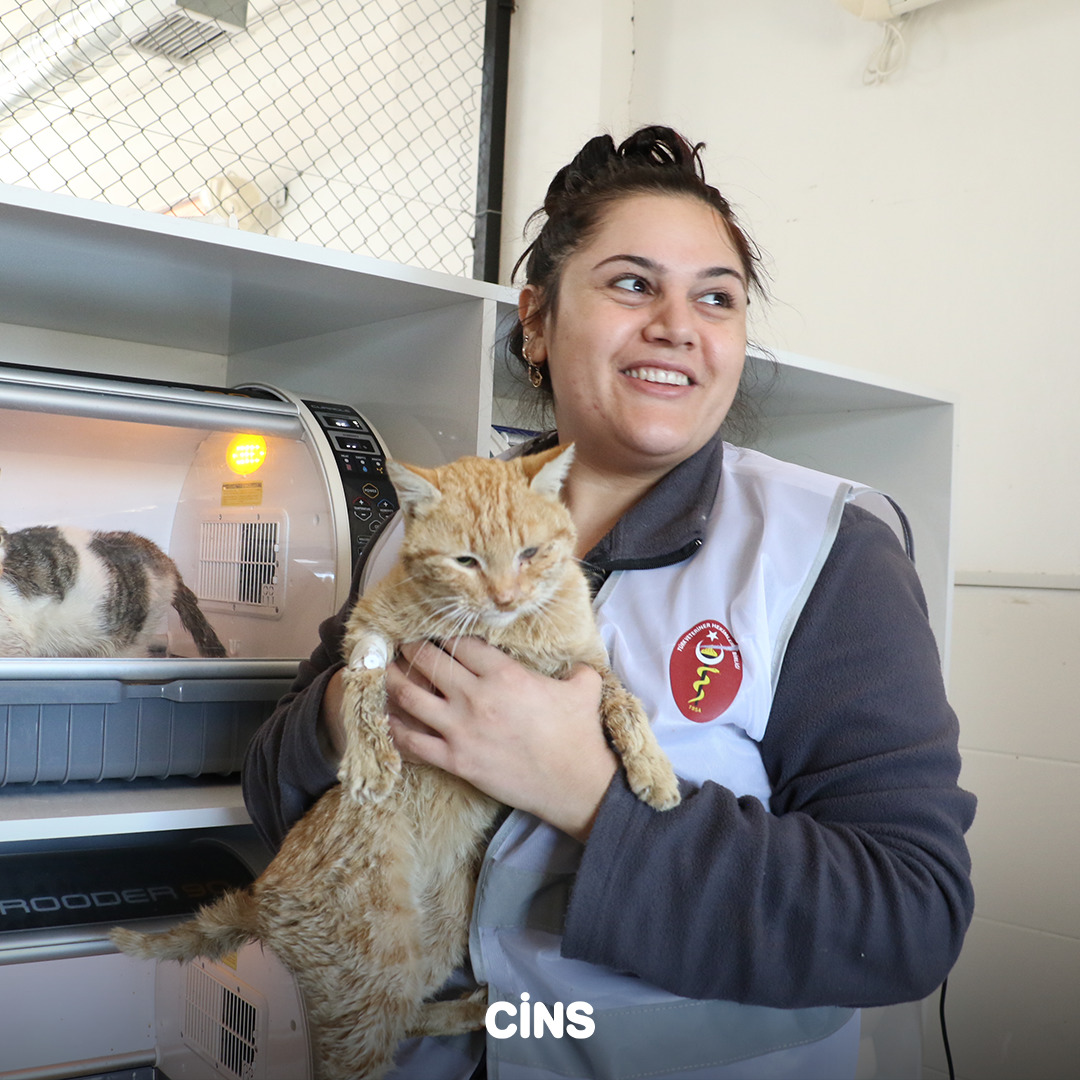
650,264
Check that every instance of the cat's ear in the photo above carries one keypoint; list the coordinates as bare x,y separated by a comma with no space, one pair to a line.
547,470
415,490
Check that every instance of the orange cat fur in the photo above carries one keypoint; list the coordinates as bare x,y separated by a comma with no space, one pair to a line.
369,899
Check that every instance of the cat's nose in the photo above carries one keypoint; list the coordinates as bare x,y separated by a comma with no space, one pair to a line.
505,599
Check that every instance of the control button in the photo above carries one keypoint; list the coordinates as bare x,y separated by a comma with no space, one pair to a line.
371,491
386,508
354,443
354,463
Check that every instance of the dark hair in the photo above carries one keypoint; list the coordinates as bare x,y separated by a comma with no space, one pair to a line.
654,160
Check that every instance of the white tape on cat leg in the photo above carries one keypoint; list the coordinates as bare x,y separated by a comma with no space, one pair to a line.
371,652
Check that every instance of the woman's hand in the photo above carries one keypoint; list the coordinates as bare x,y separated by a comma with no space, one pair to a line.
529,741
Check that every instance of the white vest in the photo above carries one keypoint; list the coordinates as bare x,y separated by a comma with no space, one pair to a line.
701,644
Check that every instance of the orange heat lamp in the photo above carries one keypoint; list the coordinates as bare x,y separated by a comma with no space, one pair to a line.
245,454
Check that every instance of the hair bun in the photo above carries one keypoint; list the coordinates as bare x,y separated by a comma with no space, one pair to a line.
662,147
595,159
653,147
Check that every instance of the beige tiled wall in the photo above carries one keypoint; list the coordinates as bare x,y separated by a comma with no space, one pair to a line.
1013,1002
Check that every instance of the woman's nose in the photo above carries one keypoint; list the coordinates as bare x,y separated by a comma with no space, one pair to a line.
671,323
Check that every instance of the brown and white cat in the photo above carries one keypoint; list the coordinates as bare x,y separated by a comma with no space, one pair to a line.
369,899
69,592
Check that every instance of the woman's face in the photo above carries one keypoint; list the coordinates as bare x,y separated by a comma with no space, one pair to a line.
648,341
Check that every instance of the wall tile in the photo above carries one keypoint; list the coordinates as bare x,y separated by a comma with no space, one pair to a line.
1024,842
1012,1006
1015,668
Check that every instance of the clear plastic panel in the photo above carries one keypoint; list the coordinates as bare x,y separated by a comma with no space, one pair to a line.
256,545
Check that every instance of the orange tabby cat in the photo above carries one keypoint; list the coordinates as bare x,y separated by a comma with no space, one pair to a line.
368,902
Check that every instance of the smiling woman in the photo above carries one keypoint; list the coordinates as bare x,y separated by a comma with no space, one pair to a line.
645,349
776,634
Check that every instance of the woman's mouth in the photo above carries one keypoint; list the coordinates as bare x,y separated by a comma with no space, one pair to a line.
658,375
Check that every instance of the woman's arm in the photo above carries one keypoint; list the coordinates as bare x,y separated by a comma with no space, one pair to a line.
291,760
855,889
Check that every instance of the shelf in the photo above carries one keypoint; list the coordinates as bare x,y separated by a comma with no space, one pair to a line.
92,287
54,811
84,267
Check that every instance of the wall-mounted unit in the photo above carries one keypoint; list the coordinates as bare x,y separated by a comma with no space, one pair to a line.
89,31
882,10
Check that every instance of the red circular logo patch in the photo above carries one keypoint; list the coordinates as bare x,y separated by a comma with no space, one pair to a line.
706,671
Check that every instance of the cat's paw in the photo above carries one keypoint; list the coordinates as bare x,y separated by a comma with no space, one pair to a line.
653,781
368,775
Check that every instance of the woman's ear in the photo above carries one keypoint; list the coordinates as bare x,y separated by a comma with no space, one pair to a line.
532,324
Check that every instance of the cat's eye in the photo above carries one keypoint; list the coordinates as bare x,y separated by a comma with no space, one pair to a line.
468,560
528,553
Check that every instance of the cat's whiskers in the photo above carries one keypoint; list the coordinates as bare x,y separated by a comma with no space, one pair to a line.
463,626
442,617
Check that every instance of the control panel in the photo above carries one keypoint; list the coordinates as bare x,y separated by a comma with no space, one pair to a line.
361,463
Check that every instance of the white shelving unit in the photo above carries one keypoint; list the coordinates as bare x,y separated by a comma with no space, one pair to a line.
89,287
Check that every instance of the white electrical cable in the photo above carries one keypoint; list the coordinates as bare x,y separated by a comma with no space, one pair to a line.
890,54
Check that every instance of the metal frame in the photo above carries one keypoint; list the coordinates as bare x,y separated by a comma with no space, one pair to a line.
488,234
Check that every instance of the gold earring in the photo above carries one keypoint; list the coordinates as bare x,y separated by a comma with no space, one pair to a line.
536,376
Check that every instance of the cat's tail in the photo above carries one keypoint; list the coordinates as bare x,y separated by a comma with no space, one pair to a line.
219,928
194,621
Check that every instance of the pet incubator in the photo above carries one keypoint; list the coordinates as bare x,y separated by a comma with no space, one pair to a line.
264,501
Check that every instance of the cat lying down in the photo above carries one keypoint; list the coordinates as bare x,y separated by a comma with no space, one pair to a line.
488,551
69,592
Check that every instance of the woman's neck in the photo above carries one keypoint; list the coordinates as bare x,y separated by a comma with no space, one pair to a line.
597,499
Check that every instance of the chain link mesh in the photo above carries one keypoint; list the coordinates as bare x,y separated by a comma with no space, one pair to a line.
351,124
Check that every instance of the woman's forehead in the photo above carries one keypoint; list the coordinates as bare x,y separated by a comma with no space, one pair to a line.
660,228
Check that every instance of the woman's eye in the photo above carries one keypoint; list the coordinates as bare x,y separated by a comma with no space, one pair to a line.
631,283
468,560
719,298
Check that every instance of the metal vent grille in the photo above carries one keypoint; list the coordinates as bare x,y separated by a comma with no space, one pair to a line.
220,1025
180,38
239,563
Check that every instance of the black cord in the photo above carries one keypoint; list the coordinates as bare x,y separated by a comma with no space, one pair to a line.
945,1030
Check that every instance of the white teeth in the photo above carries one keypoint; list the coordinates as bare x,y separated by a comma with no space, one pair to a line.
659,375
